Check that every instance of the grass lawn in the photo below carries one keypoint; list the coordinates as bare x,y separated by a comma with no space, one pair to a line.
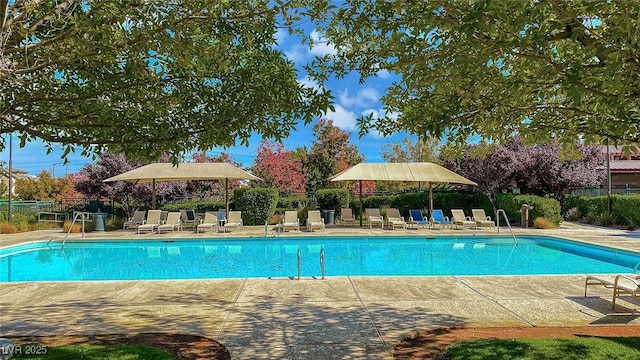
92,352
586,348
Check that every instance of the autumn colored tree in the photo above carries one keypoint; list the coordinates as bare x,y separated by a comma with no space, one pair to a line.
278,168
214,188
330,152
43,187
89,181
556,170
491,167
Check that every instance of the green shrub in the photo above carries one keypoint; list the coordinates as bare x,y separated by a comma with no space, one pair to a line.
592,217
542,207
607,219
332,199
257,204
293,203
198,206
625,208
573,214
20,222
114,224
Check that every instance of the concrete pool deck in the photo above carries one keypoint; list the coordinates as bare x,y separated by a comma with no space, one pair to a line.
335,318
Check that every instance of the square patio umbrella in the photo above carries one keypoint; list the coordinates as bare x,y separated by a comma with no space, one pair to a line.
184,172
419,172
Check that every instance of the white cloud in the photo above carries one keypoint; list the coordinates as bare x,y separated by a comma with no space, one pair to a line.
310,83
365,97
298,53
383,74
280,36
321,45
342,118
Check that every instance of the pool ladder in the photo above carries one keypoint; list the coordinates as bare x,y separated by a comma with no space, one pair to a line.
75,217
507,221
299,262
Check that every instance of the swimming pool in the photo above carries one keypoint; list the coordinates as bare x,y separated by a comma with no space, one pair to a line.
278,257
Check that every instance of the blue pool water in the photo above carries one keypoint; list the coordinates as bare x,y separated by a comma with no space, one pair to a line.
277,257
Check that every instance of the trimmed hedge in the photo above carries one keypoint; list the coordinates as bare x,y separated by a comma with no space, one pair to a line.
332,199
624,208
197,206
257,204
542,207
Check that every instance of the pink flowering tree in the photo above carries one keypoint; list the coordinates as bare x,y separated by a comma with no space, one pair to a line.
279,169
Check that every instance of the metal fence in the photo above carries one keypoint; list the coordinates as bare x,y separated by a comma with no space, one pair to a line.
28,207
602,191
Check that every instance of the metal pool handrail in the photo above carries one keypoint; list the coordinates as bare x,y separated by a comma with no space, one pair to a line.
75,217
507,221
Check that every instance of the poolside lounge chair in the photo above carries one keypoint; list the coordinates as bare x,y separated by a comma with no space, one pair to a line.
416,218
152,222
459,219
438,218
136,219
346,215
621,285
189,218
171,223
314,220
374,217
234,221
481,219
210,221
163,216
394,219
290,221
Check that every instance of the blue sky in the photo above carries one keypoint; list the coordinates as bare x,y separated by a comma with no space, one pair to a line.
352,100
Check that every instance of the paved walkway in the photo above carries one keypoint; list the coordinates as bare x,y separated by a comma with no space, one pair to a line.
336,318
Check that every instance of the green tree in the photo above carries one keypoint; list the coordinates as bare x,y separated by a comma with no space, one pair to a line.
150,77
4,189
543,69
330,153
409,151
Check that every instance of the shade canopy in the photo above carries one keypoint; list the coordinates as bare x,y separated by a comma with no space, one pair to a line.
419,172
184,172
422,171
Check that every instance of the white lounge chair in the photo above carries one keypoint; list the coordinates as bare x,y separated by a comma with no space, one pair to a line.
374,217
346,215
481,219
314,220
234,220
172,223
621,285
152,222
290,221
394,219
459,219
210,221
136,219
